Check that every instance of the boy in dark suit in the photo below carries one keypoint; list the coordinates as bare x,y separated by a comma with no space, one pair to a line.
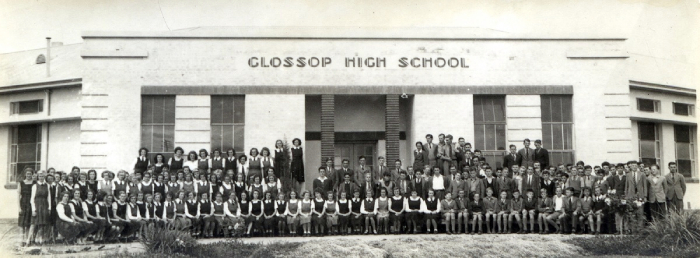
572,209
676,188
323,182
418,183
619,181
541,154
512,158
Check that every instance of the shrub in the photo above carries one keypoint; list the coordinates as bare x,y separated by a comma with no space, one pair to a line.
676,235
167,241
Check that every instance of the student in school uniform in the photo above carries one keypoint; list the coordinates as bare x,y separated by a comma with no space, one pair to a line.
141,163
516,207
457,184
218,213
176,162
396,206
266,162
544,209
529,211
387,184
255,165
216,161
239,186
133,214
226,189
318,210
268,215
502,211
231,161
619,181
489,181
369,212
558,212
305,210
382,209
331,214
438,183
600,209
356,217
462,212
572,209
245,208
293,209
40,208
418,183
347,186
413,207
242,167
255,218
68,227
81,185
202,187
281,214
476,207
232,209
344,210
280,158
403,184
296,167
490,209
192,161
182,221
473,184
271,183
158,210
193,215
449,208
420,157
256,185
206,215
432,210
90,213
587,211
323,182
203,162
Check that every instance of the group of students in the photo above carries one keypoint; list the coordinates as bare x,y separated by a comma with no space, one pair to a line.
220,201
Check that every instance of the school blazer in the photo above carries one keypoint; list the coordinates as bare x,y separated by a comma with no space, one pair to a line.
619,184
602,184
545,205
551,188
374,188
360,174
502,206
431,152
676,186
572,204
420,187
636,187
340,188
657,191
526,159
479,187
529,205
378,173
340,175
541,155
420,158
484,185
509,161
455,187
535,186
490,203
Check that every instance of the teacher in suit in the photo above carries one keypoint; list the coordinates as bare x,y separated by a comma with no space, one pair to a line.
676,188
657,193
541,154
527,155
432,150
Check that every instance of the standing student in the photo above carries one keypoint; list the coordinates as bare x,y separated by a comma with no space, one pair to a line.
159,186
297,165
318,210
272,184
293,209
457,184
396,206
266,162
242,168
40,209
280,158
340,173
512,158
420,157
676,188
203,187
347,186
544,208
331,214
216,161
204,162
369,211
141,163
146,185
449,207
356,211
344,211
541,155
226,189
176,162
636,188
231,162
82,185
254,165
529,211
360,171
239,186
431,149
432,211
256,185
25,207
269,215
447,155
438,183
418,183
305,212
322,182
192,161
381,168
619,181
281,213
158,164
657,193
106,185
527,154
92,181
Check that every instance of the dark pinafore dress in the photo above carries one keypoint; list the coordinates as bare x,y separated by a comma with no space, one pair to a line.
343,208
297,166
318,207
231,164
414,206
141,165
41,202
83,189
159,188
281,209
68,230
219,214
269,210
142,209
146,188
331,217
356,208
254,169
239,187
176,165
305,209
157,169
173,190
396,205
293,210
93,187
53,215
227,190
25,205
92,211
120,212
86,228
266,164
203,165
233,209
119,187
181,221
279,160
431,206
217,164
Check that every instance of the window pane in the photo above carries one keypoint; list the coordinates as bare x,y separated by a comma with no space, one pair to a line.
557,137
147,136
648,161
490,137
27,152
158,109
545,108
547,136
168,138
169,109
216,136
157,145
499,109
685,167
487,106
556,110
678,109
646,105
227,137
239,109
683,150
682,133
227,110
566,109
146,109
238,133
501,137
28,133
478,110
647,131
216,107
647,149
29,106
479,140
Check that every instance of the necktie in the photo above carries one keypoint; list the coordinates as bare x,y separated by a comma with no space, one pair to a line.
529,180
527,153
514,156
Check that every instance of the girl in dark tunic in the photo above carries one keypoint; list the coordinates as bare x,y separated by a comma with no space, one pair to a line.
92,181
176,162
25,206
216,162
231,161
203,162
158,165
280,158
41,208
297,165
266,161
142,163
239,186
254,165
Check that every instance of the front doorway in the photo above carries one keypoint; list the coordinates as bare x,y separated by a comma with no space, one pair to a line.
352,151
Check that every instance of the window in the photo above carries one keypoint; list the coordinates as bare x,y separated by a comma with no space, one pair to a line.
648,105
557,128
683,109
158,125
25,150
40,59
685,149
27,107
649,143
227,122
490,127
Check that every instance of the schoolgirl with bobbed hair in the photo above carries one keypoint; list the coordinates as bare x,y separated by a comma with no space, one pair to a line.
141,163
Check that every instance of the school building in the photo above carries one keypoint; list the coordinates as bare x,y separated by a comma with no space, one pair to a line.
344,92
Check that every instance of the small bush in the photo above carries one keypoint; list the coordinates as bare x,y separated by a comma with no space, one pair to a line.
676,235
167,241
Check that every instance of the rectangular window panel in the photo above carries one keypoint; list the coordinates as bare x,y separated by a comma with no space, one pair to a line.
238,133
25,150
647,149
647,131
682,133
27,107
685,167
228,117
646,105
557,127
681,109
239,109
489,122
158,124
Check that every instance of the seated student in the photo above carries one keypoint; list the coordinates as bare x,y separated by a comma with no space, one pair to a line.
206,215
502,210
396,206
158,211
318,212
66,224
331,214
490,209
293,208
476,207
558,211
412,208
255,218
134,217
218,208
449,208
344,212
572,208
548,184
600,209
432,210
179,207
516,207
545,207
356,218
91,211
281,213
462,212
268,215
529,210
193,214
586,211
368,209
382,208
305,212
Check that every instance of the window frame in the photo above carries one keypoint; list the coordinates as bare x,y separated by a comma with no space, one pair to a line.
232,125
162,125
493,156
13,153
655,103
690,107
550,145
658,150
15,107
691,149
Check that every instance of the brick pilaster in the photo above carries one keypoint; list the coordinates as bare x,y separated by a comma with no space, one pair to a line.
327,127
392,129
